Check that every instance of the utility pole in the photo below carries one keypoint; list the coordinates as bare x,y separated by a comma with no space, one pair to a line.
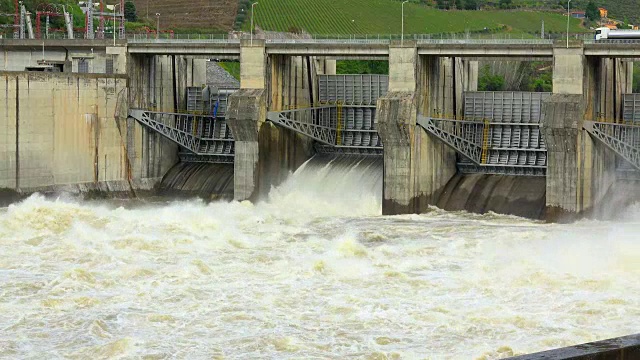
402,31
252,5
568,16
542,30
157,26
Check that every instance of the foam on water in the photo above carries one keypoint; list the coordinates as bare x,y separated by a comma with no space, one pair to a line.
312,272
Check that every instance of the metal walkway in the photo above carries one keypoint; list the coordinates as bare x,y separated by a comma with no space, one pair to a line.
205,138
623,139
492,147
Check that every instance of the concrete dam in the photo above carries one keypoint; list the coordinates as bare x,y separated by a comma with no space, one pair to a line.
138,118
295,260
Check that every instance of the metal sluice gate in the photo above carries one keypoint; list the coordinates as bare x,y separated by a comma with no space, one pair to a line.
201,132
343,121
500,133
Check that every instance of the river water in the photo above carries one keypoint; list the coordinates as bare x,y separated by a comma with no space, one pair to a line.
313,272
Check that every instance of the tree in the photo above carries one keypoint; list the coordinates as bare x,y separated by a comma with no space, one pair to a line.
591,12
442,4
505,4
488,81
470,4
130,11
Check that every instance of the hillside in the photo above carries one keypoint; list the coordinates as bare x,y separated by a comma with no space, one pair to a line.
383,17
622,9
618,9
191,14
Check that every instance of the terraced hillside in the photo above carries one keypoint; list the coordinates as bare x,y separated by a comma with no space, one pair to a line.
183,14
383,17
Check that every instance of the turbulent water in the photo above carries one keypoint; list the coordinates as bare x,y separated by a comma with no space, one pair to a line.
314,272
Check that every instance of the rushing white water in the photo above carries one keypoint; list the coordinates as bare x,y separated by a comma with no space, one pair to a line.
314,272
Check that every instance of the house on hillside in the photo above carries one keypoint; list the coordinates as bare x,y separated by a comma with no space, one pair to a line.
603,12
578,14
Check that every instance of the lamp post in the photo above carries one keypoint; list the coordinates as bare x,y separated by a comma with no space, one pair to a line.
402,31
252,5
568,16
114,23
157,26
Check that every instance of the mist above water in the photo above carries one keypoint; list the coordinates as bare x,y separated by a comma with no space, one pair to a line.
314,271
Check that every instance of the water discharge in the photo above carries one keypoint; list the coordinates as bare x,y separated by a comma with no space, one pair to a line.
313,272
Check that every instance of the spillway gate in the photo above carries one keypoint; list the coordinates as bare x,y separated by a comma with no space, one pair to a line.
499,133
201,131
343,120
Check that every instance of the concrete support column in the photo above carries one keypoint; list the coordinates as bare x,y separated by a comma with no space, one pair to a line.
470,81
253,63
568,69
623,84
579,171
264,153
606,81
245,115
416,165
326,66
291,82
150,87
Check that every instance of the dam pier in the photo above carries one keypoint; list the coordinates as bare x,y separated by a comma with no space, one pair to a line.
132,115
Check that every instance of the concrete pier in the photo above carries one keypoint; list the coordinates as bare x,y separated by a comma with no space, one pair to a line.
264,153
579,171
417,166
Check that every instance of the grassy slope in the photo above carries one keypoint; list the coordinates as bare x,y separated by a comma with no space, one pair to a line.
383,17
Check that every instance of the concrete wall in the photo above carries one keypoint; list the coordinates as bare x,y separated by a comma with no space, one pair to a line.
17,60
59,129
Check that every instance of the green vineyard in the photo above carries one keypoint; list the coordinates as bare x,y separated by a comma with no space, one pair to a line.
383,17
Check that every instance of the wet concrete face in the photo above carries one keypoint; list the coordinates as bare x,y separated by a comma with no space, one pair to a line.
207,181
622,348
480,193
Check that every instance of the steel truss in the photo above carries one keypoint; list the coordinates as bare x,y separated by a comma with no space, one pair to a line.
474,140
306,121
463,136
623,139
206,138
324,124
